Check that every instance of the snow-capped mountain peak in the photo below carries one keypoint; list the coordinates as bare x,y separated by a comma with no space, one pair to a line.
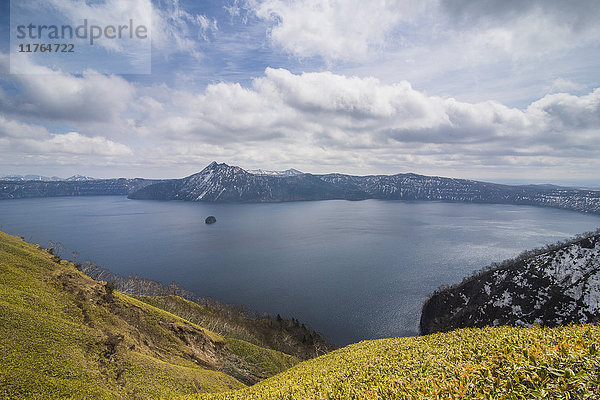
80,178
287,172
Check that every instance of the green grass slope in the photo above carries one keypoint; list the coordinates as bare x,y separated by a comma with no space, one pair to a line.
287,336
255,356
64,335
478,363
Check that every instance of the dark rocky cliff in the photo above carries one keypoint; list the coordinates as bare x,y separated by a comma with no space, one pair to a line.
560,285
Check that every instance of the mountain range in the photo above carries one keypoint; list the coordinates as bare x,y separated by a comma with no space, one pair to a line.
11,189
287,172
225,183
22,178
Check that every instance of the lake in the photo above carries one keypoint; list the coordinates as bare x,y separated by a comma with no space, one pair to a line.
351,270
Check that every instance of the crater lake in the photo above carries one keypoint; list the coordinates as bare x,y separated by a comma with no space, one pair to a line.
351,270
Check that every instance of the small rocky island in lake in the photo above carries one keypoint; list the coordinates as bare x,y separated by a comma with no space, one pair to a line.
210,220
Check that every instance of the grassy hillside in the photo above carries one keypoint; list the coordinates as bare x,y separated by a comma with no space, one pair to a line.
231,320
287,336
64,335
474,363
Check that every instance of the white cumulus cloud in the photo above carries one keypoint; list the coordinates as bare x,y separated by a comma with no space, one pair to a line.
333,29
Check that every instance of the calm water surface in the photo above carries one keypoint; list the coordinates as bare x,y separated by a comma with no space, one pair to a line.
352,270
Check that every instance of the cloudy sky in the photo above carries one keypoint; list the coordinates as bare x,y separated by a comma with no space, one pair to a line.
500,90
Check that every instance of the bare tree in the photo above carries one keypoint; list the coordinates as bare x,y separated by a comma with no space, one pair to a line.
56,248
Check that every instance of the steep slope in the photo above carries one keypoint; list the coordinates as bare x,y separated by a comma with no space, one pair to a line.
489,363
65,335
224,183
288,336
558,285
